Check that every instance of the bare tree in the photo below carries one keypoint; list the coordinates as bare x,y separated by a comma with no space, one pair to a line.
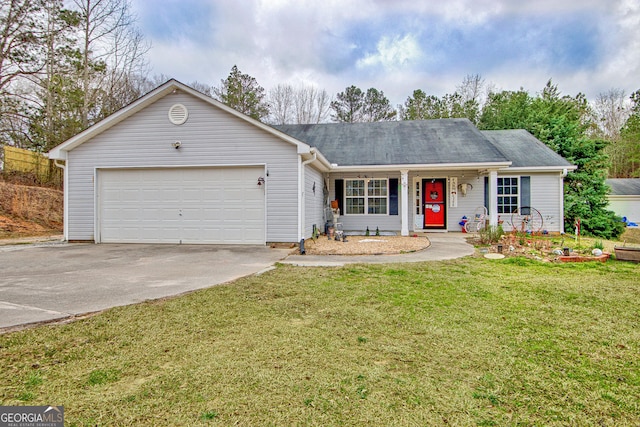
471,88
471,97
109,41
281,104
303,104
202,88
125,63
312,105
611,110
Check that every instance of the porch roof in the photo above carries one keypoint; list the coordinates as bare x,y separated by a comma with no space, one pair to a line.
420,142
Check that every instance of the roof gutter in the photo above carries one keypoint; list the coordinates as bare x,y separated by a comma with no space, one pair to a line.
426,167
321,160
563,169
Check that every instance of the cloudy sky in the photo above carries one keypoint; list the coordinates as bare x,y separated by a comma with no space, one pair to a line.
397,46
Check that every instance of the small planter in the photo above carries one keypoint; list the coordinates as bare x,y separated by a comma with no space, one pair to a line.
580,258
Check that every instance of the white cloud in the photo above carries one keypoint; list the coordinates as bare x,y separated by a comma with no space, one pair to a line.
401,45
393,53
623,59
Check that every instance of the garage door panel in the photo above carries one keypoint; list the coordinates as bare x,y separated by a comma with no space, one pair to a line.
181,205
254,214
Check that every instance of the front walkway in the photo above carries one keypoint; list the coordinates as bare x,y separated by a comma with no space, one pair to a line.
443,246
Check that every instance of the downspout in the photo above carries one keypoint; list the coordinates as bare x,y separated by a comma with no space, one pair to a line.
303,185
65,201
563,175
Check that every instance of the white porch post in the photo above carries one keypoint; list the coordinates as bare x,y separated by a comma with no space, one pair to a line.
404,211
493,198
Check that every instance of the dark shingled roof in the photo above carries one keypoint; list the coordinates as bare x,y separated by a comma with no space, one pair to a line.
524,149
398,143
624,186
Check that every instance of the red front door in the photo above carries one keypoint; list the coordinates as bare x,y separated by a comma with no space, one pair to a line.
434,203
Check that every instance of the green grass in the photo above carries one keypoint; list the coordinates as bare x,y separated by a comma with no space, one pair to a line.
468,342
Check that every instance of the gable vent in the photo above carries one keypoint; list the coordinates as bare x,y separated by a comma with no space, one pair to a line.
178,114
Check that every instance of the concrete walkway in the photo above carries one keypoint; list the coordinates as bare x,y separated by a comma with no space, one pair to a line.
443,246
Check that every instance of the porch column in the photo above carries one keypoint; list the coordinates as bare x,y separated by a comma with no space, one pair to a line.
404,211
493,198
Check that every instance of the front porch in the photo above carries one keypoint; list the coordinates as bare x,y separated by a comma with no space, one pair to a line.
412,201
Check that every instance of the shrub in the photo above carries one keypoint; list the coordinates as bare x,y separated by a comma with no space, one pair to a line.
490,234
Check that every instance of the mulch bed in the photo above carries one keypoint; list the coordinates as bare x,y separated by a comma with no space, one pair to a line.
365,245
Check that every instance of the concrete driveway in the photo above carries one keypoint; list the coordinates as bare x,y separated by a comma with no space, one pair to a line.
47,282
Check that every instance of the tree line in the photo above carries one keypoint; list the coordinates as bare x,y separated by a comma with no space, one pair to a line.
64,66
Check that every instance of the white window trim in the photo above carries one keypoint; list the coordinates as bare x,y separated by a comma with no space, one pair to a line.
366,196
508,195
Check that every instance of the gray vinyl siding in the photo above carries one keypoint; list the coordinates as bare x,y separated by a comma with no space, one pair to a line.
547,191
546,196
210,137
314,203
359,223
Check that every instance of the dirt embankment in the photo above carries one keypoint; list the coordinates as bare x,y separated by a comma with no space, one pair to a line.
29,211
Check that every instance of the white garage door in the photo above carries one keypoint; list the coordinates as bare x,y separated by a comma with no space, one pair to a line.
181,205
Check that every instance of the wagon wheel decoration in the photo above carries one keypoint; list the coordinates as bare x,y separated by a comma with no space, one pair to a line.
526,220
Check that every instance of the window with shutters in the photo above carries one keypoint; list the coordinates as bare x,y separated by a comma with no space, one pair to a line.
366,196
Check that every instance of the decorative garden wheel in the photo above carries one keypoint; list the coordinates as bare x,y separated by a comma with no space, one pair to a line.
526,220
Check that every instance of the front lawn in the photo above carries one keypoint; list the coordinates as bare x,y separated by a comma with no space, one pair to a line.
465,342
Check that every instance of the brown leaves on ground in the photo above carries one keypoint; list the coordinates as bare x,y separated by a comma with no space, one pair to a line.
29,211
365,245
631,235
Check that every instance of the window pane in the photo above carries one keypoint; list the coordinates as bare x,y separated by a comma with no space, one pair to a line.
355,206
378,187
354,187
377,206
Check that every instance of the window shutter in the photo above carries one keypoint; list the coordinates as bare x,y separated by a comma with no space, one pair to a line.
525,194
339,190
393,196
486,194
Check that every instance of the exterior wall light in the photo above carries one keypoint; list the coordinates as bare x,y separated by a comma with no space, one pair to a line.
260,181
177,144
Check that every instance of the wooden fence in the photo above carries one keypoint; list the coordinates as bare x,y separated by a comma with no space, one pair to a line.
31,166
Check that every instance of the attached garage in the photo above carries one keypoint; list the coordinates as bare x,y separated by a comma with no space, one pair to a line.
178,167
216,205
